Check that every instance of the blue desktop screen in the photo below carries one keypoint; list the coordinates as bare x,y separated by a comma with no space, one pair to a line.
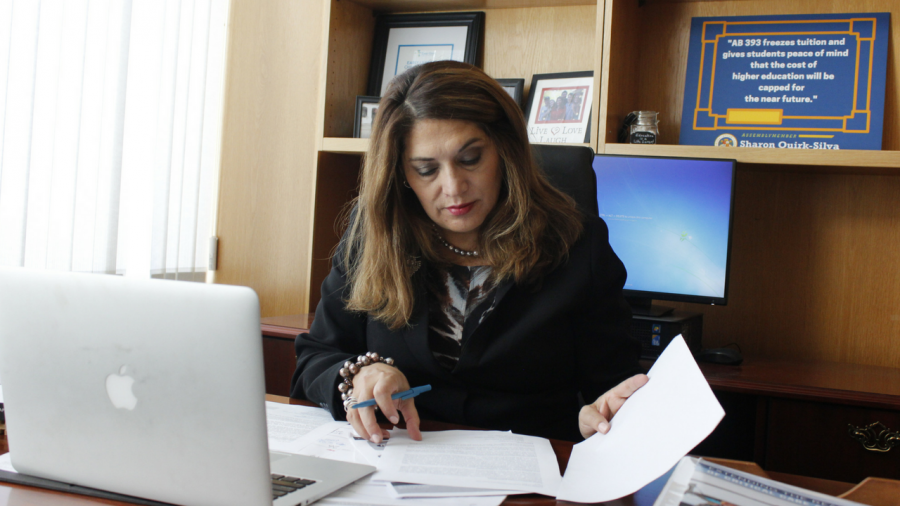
668,221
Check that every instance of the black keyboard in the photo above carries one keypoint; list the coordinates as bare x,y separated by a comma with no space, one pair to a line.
284,485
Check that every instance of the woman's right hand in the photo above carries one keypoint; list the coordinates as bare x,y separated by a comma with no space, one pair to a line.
379,381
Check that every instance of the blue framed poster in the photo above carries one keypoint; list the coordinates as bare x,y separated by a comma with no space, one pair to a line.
796,81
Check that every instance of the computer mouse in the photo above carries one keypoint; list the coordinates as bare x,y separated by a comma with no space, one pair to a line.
726,356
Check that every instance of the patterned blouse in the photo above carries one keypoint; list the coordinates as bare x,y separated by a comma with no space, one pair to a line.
459,298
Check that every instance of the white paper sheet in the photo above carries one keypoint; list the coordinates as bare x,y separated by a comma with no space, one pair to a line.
6,463
364,493
477,459
332,440
657,426
415,490
370,451
288,422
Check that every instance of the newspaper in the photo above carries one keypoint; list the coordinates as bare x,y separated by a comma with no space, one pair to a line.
696,482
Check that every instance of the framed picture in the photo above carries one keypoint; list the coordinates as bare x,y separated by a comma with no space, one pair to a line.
366,109
559,107
514,87
403,41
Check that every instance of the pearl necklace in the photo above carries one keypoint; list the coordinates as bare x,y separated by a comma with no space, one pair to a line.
451,247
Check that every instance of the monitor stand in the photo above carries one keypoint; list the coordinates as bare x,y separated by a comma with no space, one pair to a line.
645,307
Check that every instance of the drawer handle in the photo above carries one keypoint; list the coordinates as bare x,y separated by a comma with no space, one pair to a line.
875,437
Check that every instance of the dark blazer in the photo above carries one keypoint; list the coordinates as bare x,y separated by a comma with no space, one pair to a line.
521,370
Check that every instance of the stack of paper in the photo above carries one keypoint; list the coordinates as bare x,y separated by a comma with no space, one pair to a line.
657,426
311,431
475,459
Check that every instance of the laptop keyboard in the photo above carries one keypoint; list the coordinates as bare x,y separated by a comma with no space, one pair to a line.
284,485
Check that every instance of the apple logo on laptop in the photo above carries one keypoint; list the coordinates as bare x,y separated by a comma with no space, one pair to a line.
118,388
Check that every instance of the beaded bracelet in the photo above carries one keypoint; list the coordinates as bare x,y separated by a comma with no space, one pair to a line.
350,370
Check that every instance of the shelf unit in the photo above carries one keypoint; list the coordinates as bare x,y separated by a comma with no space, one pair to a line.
351,146
521,38
854,161
637,49
645,57
814,263
808,265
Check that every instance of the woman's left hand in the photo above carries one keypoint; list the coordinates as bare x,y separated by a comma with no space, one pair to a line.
595,417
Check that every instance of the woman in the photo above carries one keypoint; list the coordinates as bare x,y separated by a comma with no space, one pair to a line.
545,109
470,271
559,109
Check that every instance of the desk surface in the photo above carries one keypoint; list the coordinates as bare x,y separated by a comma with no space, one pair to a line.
851,384
876,492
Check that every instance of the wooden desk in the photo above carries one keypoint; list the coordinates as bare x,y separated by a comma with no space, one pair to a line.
788,417
795,417
875,492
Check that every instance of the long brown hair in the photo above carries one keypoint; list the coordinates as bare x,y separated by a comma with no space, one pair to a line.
527,234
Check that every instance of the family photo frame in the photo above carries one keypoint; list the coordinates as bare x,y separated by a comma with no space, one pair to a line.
558,109
403,41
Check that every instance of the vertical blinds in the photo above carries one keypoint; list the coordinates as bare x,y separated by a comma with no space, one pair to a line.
110,132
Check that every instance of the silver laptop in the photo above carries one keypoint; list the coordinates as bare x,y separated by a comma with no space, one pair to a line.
147,388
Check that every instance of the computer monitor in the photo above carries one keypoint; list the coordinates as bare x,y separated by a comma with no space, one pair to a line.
670,222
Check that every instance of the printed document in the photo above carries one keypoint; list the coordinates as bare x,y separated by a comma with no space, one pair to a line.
333,440
370,451
408,490
288,422
363,493
652,431
477,459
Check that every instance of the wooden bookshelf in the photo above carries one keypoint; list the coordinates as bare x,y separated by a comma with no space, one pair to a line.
644,60
854,161
352,146
814,265
814,231
347,145
452,5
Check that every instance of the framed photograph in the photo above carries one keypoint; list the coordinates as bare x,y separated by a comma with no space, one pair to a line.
514,87
366,109
559,107
403,41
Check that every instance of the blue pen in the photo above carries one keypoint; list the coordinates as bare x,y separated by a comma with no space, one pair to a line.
409,394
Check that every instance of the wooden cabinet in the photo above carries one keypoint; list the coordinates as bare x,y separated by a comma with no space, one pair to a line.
812,439
795,417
